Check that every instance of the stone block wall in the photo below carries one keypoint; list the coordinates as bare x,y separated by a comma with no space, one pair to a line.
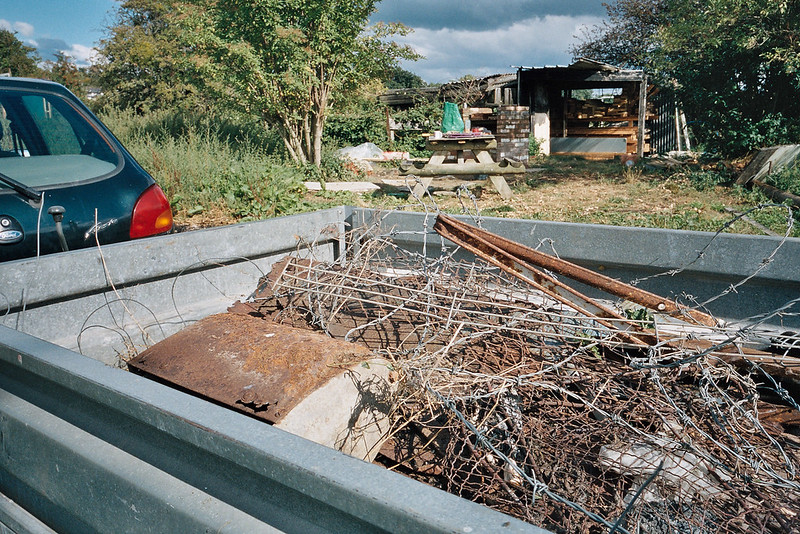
513,132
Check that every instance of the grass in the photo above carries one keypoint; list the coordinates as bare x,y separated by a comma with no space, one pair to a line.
603,192
220,171
216,170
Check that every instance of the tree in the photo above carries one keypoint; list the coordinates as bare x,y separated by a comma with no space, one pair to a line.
141,63
64,71
16,58
629,36
736,68
399,78
735,65
284,59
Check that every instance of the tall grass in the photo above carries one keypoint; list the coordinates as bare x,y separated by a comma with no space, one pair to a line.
207,163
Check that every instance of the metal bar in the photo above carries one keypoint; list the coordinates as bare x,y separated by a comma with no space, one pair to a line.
494,249
160,283
490,250
17,520
583,275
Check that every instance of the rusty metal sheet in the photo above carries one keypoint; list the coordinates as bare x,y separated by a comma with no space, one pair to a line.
248,363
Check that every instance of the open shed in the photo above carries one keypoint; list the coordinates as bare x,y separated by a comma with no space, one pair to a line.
588,107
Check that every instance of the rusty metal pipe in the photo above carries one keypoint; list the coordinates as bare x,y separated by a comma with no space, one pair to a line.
465,236
576,272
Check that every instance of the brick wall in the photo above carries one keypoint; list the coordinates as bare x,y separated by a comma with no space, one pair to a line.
513,132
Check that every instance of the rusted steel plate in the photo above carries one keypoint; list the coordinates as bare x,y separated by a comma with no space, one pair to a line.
248,363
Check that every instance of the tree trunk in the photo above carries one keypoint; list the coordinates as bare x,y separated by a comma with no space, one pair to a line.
307,140
292,135
319,108
319,123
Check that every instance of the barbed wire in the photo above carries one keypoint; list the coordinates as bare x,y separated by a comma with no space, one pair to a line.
521,403
513,399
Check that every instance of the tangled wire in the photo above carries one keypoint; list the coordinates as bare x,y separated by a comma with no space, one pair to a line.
514,400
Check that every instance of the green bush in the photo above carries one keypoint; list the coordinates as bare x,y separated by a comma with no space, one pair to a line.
354,127
207,162
730,132
786,180
366,122
332,168
234,130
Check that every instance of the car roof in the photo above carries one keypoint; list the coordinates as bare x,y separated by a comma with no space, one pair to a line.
32,83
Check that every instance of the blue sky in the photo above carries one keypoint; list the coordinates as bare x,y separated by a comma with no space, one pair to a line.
457,37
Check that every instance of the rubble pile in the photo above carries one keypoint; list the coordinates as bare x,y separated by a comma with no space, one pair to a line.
512,398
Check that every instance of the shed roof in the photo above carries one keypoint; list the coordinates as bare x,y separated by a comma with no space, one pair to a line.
582,70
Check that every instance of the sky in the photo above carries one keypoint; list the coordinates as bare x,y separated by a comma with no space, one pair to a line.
457,37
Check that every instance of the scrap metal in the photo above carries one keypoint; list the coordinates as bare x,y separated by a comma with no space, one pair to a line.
513,395
254,366
515,257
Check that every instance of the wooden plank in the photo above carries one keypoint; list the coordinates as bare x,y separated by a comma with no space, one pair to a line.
589,155
768,160
642,115
751,222
611,131
421,187
438,158
466,168
483,156
566,74
453,145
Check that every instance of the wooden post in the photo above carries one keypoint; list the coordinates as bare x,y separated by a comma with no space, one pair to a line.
389,131
685,130
540,123
642,116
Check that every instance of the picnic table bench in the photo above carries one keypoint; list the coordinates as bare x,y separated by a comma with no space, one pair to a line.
464,154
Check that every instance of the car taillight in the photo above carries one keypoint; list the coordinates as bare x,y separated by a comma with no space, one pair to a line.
152,214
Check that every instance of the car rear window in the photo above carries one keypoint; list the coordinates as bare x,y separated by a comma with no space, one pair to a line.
46,141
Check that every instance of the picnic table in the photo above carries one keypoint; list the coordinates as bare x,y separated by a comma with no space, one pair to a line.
464,154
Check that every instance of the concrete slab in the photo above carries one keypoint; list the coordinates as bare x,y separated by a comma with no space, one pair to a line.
353,187
616,145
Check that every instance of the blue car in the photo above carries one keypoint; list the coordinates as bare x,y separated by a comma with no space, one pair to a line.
65,181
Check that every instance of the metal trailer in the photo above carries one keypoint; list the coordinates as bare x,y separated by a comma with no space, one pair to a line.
88,447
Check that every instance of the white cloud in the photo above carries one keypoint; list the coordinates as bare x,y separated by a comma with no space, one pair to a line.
46,47
533,42
81,54
23,28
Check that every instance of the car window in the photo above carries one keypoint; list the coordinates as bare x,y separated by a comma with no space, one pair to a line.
58,136
46,141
